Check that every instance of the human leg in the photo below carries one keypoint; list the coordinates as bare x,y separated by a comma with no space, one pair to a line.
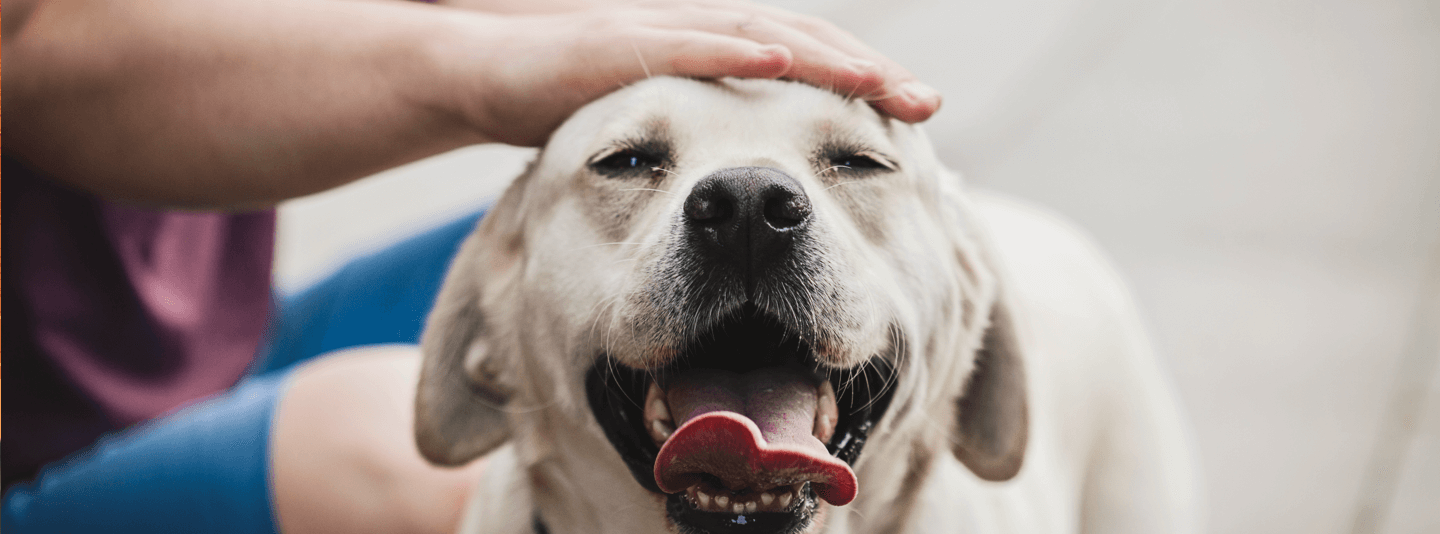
200,469
205,467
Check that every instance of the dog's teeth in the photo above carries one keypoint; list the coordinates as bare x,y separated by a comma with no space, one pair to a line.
824,429
660,411
784,501
737,509
655,406
751,507
657,415
766,498
660,430
722,500
826,411
704,499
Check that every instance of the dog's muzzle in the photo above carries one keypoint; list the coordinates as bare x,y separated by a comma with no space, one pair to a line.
740,424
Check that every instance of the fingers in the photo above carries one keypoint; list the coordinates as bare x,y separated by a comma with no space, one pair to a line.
815,62
701,54
911,102
824,55
901,95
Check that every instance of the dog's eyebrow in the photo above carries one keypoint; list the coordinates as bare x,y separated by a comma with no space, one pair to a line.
657,146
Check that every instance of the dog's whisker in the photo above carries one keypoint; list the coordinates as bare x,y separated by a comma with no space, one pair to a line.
597,313
890,380
528,409
896,342
642,65
602,313
865,366
878,94
842,183
856,510
649,189
607,244
850,96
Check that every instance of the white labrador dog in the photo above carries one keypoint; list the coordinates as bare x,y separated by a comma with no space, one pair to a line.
759,307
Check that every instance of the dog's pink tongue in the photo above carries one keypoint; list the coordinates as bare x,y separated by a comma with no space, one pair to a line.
753,432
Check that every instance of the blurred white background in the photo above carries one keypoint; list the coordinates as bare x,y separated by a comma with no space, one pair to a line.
1265,172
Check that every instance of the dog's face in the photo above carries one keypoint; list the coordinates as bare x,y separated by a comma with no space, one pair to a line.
703,301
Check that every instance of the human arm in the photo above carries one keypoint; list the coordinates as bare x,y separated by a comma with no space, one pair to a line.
249,102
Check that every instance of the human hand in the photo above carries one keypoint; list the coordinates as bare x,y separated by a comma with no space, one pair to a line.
519,77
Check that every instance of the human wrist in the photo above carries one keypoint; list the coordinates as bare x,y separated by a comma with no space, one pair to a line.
442,68
466,76
507,76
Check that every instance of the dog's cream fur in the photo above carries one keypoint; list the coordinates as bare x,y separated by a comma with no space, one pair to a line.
1019,349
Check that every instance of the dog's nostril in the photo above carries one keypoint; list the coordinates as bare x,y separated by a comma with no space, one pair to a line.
706,209
787,211
745,218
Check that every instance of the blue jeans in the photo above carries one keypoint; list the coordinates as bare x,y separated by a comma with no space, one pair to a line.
204,468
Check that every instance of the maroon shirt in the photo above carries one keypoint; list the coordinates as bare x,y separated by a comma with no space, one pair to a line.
115,314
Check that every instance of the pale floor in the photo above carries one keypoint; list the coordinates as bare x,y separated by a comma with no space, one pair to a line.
1265,173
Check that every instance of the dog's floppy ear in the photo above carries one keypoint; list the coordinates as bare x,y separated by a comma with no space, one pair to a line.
992,412
993,424
465,380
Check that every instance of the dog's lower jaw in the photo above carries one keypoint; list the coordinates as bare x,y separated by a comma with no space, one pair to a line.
807,517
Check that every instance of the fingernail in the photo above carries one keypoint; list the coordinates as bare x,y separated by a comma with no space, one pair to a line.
773,50
919,92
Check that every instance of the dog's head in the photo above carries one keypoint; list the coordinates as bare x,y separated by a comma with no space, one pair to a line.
725,291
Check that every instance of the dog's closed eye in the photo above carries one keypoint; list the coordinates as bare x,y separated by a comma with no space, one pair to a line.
859,163
629,162
846,158
625,160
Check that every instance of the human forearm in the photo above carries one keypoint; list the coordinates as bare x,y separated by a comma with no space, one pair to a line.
225,102
242,102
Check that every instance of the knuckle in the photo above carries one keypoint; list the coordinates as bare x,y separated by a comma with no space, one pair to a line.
756,23
813,25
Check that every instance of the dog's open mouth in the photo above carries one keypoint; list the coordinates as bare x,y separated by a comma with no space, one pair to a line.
745,430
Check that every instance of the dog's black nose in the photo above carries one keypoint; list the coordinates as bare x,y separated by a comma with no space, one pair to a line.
746,217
